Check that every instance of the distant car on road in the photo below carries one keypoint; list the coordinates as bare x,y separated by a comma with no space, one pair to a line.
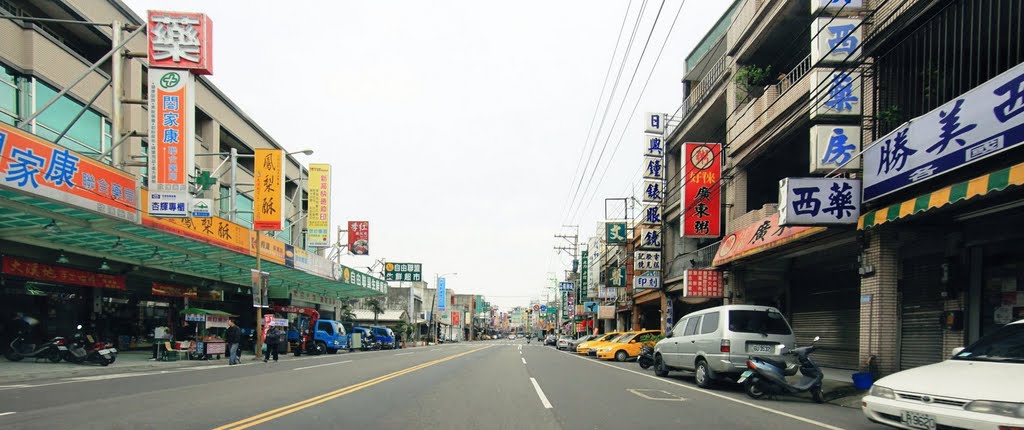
582,338
511,337
550,340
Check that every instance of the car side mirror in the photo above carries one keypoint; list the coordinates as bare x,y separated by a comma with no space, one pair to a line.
957,350
817,338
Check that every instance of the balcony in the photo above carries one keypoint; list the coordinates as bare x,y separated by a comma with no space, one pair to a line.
765,28
705,99
761,119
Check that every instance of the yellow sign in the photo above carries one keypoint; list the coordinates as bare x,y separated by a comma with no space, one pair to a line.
318,219
213,230
268,207
273,249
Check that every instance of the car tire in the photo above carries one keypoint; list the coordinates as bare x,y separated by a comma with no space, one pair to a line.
321,348
659,367
621,356
702,375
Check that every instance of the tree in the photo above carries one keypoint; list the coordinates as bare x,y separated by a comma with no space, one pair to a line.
376,308
345,313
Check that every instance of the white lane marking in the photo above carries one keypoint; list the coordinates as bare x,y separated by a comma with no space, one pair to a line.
435,349
7,413
524,360
540,393
322,365
720,396
7,387
404,353
665,395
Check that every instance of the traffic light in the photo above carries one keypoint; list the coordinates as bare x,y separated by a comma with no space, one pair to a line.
575,265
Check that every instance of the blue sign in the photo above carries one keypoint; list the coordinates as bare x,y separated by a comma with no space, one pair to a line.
590,307
979,124
565,286
442,296
543,308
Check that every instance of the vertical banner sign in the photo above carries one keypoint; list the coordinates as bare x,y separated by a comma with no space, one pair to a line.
180,40
259,285
584,268
268,210
702,186
359,237
171,141
442,296
318,218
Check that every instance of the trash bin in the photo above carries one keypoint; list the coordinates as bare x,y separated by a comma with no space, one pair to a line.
862,380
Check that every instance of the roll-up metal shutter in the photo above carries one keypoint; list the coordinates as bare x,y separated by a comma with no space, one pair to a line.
920,312
828,305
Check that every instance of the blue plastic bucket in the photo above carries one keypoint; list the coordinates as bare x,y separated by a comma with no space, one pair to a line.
862,380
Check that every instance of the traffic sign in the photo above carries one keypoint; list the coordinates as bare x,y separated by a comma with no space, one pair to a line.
536,308
543,308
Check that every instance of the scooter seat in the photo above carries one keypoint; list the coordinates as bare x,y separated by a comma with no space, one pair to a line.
781,365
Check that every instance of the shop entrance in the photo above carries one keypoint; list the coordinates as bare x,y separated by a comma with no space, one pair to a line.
921,299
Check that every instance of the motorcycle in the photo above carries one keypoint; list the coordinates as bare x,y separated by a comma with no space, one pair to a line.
646,358
83,349
768,377
19,350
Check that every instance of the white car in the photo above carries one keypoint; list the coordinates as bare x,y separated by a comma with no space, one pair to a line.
511,337
979,388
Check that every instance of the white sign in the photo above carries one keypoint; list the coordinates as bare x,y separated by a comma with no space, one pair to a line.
836,93
836,6
608,293
650,238
565,286
654,146
651,214
833,146
169,204
654,191
201,208
819,201
837,40
654,168
655,123
647,281
647,260
980,123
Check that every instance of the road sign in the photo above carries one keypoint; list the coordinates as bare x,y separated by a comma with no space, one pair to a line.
536,308
543,308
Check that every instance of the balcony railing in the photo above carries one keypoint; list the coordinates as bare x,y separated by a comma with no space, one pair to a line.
698,94
794,75
761,112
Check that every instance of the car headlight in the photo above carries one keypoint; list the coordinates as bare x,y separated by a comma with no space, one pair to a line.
1006,409
880,391
605,349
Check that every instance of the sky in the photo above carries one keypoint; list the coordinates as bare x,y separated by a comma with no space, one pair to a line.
457,128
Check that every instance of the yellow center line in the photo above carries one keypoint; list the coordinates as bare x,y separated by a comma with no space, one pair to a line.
313,401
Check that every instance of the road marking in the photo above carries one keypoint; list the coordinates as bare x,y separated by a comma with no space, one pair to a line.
720,396
651,394
313,401
7,413
322,365
435,349
524,360
404,353
540,393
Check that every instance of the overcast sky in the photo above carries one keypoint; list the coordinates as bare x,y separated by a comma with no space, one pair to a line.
454,127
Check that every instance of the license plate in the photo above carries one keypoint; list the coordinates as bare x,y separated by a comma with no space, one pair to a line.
62,348
918,420
744,376
105,351
757,347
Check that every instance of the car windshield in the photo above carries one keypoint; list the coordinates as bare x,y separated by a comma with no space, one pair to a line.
610,337
760,322
625,338
1005,345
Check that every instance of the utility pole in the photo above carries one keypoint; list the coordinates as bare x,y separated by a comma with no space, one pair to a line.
571,247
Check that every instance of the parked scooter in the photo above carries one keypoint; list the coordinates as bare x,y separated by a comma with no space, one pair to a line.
84,349
768,377
20,350
646,357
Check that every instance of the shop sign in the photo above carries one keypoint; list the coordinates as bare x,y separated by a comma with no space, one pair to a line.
584,268
211,295
201,208
985,121
650,238
608,293
837,41
60,275
654,145
760,236
213,230
819,201
565,286
270,249
617,277
268,205
839,94
278,322
836,6
359,279
33,166
590,307
647,260
313,263
259,285
652,214
167,290
702,185
455,318
442,295
403,272
655,123
171,154
606,312
647,281
654,168
181,40
195,317
318,218
359,237
834,148
703,283
570,304
215,321
615,232
654,191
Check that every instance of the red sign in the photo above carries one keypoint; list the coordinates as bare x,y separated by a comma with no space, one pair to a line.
702,190
757,237
455,318
703,283
37,167
181,40
61,275
359,237
161,289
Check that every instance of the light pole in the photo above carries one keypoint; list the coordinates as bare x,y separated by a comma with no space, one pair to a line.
433,301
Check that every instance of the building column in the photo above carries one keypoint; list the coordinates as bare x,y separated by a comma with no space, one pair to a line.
879,304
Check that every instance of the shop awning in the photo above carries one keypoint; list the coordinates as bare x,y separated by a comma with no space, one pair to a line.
994,181
198,311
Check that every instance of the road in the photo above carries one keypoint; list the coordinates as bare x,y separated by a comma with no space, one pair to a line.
472,385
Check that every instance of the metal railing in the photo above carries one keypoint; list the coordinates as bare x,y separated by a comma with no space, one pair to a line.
698,93
794,75
704,257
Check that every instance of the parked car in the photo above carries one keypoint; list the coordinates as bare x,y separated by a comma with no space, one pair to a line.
582,338
562,344
974,389
627,347
550,339
385,336
512,337
715,343
585,347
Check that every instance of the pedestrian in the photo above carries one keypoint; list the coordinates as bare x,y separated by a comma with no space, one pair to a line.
271,341
233,336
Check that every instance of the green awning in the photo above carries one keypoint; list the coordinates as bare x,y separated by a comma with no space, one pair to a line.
198,311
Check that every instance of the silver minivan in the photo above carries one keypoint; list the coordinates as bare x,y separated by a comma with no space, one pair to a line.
715,343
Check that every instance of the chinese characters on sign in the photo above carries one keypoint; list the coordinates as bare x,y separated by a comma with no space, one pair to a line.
837,40
615,232
318,218
647,281
980,123
442,295
650,238
161,289
836,6
703,283
584,269
268,205
171,141
359,237
702,197
838,93
646,260
759,236
655,123
819,201
565,286
49,273
835,147
617,277
403,272
181,40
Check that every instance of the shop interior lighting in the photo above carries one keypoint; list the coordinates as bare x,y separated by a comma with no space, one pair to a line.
63,259
104,267
52,227
119,245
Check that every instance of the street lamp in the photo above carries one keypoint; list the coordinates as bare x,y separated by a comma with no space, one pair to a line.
433,301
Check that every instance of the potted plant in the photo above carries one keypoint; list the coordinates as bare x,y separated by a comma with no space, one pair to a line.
752,79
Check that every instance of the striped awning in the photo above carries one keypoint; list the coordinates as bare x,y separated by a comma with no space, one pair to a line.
995,181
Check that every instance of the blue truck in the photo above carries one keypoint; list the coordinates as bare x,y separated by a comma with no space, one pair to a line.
311,335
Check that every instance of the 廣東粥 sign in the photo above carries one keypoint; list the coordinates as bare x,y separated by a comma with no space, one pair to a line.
702,185
819,201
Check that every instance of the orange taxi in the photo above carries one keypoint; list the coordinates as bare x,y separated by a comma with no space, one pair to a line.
627,346
585,347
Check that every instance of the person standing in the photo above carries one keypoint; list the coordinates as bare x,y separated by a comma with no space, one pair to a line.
271,341
233,336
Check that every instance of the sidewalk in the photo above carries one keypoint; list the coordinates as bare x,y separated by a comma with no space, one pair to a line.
838,388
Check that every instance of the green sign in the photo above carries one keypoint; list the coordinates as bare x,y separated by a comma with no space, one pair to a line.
403,272
205,180
615,232
617,276
583,272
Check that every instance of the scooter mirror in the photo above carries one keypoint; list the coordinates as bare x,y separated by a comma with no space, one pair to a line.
817,338
79,326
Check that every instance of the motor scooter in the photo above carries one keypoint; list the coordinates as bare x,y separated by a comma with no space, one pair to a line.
768,377
19,350
646,357
83,348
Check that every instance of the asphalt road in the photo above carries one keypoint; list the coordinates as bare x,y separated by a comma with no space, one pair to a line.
473,385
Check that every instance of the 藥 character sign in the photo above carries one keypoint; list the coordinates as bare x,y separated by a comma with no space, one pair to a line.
268,207
838,93
318,218
819,201
702,186
181,40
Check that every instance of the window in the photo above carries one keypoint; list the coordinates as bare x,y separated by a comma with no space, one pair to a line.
325,327
243,204
710,323
8,96
761,322
691,326
680,326
89,133
224,201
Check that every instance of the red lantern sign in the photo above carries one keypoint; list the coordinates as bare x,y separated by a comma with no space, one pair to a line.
702,186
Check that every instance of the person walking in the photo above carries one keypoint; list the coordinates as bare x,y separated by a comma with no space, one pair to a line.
234,337
271,341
